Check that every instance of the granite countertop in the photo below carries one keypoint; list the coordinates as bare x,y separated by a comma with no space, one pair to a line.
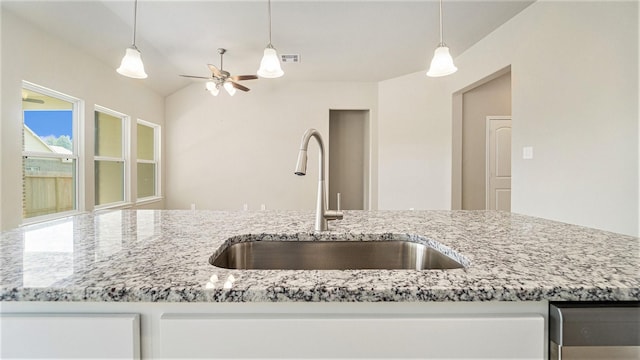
163,256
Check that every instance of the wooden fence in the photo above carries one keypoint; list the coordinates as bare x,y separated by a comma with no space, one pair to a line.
47,194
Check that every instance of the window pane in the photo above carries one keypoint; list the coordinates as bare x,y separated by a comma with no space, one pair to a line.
108,135
109,182
146,180
48,123
145,142
48,187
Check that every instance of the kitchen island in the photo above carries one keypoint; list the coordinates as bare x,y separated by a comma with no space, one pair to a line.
156,263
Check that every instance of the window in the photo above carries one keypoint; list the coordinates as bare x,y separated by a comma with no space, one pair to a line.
50,153
148,160
110,158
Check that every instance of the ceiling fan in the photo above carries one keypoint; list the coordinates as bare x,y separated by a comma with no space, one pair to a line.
26,98
220,77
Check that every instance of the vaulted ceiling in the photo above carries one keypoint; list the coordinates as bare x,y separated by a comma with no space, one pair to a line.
348,40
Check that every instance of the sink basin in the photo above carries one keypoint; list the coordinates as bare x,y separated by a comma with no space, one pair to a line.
332,255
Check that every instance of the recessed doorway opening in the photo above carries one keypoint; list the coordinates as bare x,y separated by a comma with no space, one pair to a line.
349,159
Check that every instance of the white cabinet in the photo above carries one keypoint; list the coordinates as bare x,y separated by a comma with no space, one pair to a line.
452,330
64,336
352,336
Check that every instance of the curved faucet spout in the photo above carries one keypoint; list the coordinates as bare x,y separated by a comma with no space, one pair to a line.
301,167
322,214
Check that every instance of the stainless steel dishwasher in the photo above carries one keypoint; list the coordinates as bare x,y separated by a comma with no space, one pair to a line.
594,330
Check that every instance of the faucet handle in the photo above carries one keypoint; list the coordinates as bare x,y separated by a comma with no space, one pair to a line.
333,215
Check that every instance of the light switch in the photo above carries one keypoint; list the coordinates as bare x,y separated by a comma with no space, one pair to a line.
527,152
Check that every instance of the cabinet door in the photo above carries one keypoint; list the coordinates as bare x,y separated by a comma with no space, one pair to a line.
63,336
361,336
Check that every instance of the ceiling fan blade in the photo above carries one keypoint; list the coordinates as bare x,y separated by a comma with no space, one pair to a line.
196,77
36,101
215,70
243,77
239,87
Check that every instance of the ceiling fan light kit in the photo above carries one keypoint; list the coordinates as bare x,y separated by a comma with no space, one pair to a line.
270,63
131,65
442,62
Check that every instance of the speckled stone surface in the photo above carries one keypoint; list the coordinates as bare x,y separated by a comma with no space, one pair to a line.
163,256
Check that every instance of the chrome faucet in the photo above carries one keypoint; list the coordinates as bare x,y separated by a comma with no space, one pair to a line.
322,214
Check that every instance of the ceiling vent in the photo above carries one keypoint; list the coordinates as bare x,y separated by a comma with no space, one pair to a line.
290,58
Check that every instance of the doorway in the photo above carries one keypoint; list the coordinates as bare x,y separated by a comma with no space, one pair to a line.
489,97
349,159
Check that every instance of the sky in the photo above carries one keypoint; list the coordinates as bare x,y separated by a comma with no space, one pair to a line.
49,122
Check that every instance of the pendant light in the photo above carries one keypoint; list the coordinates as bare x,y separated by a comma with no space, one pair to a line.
442,63
270,64
131,65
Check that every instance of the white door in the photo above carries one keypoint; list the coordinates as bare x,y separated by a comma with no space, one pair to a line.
499,163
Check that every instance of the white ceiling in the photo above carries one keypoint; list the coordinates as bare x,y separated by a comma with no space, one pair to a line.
348,40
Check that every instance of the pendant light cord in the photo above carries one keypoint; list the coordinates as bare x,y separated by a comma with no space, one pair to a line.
441,43
269,4
135,17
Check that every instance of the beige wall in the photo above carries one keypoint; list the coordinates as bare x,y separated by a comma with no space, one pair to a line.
575,106
491,98
414,144
223,152
31,54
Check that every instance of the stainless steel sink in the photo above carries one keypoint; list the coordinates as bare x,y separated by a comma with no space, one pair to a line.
332,255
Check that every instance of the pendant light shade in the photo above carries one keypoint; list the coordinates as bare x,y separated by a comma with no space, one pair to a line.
212,88
230,89
442,62
270,63
131,65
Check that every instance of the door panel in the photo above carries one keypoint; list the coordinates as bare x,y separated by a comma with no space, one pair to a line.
499,163
344,336
67,336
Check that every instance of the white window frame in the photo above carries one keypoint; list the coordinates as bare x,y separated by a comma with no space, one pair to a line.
78,151
156,155
125,159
